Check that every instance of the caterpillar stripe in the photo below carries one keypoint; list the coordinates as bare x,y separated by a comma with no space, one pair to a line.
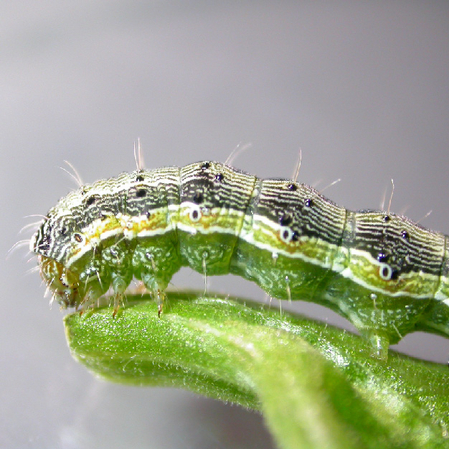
387,275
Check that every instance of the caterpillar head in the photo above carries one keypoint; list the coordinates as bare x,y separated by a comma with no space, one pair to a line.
53,243
55,237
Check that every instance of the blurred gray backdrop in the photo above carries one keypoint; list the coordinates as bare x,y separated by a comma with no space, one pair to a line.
361,87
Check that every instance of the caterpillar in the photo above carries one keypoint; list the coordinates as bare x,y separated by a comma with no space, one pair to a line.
386,274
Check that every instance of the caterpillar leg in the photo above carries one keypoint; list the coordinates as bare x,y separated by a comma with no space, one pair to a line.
156,290
379,344
118,301
119,285
160,298
205,257
381,319
90,300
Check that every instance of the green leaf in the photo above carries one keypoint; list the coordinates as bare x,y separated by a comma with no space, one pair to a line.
317,386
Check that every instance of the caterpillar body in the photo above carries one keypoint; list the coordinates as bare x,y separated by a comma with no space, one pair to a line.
387,275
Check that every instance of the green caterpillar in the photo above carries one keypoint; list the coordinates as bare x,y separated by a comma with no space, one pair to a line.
387,275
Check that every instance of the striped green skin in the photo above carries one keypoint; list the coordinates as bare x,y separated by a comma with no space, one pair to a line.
386,274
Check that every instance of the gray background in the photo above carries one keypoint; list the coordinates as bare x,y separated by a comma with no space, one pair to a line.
360,87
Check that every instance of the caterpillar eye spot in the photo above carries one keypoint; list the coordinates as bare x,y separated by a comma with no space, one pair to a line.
205,166
141,193
286,235
386,218
386,272
195,215
291,186
308,202
219,177
139,178
405,235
